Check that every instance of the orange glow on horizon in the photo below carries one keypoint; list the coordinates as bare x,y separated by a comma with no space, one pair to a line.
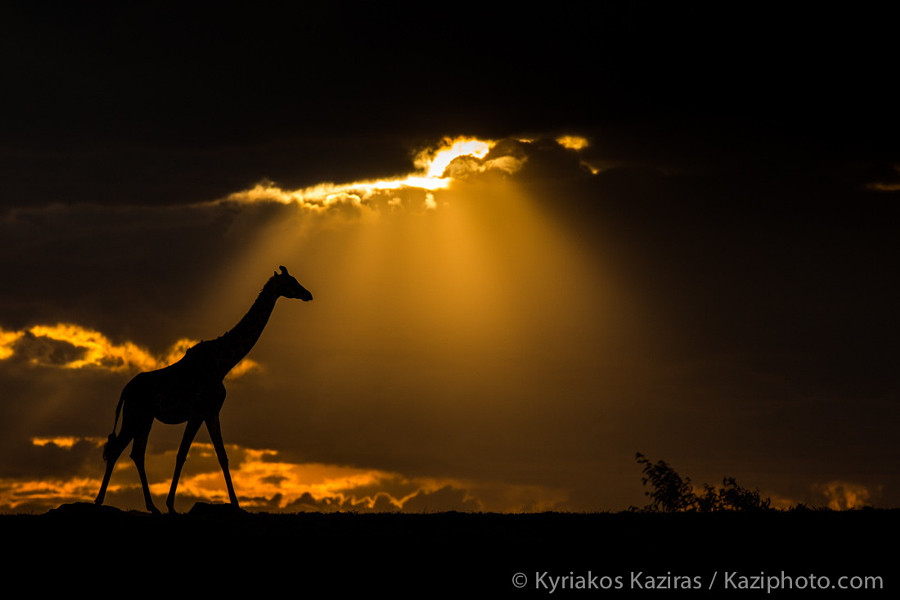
266,483
845,495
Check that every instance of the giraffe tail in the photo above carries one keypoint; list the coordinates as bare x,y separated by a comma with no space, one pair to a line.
111,437
109,440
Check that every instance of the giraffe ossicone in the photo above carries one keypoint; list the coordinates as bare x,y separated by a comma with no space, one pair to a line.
191,391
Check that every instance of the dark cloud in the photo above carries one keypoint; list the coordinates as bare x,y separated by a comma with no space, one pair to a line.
50,460
274,479
90,265
444,499
46,351
306,503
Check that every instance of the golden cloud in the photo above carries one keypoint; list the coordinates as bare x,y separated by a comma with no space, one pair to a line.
7,341
436,169
71,346
572,142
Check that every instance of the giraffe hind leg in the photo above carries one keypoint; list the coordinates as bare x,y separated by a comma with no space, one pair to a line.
189,432
111,452
138,449
215,434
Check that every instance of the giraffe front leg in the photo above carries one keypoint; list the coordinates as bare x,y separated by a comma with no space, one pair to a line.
215,434
189,432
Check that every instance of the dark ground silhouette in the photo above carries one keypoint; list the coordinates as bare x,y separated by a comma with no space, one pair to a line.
463,555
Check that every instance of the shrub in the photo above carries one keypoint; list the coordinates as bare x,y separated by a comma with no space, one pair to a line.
670,492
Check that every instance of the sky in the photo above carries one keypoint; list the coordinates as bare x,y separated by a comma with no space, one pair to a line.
538,243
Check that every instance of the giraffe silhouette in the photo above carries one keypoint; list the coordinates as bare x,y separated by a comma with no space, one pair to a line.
191,391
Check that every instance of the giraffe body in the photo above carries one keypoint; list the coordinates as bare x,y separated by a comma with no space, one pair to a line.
171,395
191,391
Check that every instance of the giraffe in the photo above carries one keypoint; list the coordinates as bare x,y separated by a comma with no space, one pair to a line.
191,391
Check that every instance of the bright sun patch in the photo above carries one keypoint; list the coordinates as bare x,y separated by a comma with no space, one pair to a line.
431,175
434,162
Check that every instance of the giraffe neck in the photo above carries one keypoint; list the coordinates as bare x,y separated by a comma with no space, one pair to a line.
234,345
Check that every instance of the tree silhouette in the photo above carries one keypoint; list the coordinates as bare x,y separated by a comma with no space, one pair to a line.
670,492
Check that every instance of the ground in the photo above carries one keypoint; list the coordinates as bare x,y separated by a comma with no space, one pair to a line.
455,554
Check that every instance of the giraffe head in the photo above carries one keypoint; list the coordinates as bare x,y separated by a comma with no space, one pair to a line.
287,286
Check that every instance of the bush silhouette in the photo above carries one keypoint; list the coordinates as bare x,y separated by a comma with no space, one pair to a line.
670,492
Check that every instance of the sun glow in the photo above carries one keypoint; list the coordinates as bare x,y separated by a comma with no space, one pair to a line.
434,162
